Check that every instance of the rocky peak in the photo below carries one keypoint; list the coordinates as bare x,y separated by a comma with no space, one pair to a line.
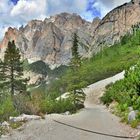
9,35
33,24
50,40
67,21
67,16
96,20
11,31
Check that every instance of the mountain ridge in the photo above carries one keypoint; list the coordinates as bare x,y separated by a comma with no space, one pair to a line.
50,40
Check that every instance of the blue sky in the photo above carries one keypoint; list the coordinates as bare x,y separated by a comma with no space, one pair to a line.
94,11
15,1
15,13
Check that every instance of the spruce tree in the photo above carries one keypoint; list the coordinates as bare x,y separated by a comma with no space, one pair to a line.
74,83
13,70
76,59
2,80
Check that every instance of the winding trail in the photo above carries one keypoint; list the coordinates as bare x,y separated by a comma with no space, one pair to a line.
93,117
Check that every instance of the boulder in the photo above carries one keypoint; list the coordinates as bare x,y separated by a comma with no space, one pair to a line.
67,113
131,116
138,127
5,124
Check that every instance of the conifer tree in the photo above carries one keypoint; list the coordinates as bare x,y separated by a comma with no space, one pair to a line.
2,80
13,70
74,83
76,59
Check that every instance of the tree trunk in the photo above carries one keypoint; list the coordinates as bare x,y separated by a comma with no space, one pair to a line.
12,81
75,97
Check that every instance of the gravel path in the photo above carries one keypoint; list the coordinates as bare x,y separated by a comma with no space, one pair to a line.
93,117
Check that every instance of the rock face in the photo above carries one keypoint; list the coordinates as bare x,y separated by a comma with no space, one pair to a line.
50,40
115,24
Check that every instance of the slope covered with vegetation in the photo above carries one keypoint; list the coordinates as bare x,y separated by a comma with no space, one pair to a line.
110,61
41,67
126,92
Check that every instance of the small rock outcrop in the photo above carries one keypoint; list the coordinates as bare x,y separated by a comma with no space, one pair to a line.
24,117
131,116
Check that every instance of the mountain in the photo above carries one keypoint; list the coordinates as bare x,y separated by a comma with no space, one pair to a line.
115,24
50,40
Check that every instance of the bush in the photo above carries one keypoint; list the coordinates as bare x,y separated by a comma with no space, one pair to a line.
15,125
126,92
134,123
7,109
60,106
42,104
21,103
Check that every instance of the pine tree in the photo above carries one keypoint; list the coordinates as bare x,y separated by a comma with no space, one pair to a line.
13,70
75,85
2,73
76,59
2,80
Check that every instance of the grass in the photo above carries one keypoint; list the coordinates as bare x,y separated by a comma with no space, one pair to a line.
15,125
109,62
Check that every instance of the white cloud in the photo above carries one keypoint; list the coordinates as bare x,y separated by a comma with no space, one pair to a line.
104,6
2,31
81,5
5,6
27,10
71,6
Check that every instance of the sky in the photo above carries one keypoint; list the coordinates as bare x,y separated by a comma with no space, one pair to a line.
15,13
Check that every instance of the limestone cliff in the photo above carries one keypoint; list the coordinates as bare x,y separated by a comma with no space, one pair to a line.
50,40
116,24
